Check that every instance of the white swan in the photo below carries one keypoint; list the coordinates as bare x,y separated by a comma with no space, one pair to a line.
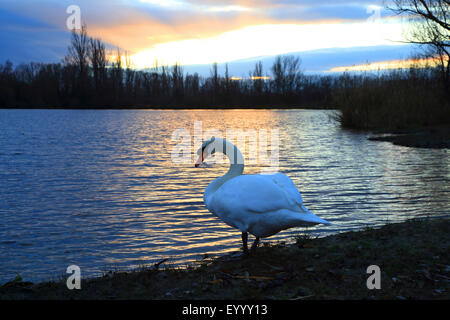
262,205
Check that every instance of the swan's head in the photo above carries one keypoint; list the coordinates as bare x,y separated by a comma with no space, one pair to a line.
205,150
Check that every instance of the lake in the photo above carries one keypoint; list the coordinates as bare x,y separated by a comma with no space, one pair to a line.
100,188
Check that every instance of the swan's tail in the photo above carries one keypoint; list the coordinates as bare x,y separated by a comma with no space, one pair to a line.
312,219
308,218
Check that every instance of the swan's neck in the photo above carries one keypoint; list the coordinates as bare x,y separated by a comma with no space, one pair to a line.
236,166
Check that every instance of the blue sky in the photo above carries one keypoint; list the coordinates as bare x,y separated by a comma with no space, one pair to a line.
194,32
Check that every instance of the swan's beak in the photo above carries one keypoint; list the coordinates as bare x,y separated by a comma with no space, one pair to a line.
199,161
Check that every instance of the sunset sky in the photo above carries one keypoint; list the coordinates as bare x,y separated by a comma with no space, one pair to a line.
196,32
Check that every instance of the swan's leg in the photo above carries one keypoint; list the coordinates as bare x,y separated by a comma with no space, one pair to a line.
244,242
255,244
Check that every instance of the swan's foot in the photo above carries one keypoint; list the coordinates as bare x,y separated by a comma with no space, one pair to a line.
244,242
254,245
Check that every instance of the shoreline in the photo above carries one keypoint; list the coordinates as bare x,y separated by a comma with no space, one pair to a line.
242,107
433,137
413,256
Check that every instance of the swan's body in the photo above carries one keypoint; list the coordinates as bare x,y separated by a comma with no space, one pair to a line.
262,205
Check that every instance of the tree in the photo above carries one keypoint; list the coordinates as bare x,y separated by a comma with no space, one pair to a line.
130,77
257,77
286,76
77,56
177,82
430,20
6,82
97,58
215,82
78,51
227,81
116,77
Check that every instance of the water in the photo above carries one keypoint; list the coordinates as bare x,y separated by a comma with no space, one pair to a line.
98,188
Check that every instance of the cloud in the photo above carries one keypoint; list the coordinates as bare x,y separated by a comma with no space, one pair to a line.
138,25
314,61
24,39
270,39
153,22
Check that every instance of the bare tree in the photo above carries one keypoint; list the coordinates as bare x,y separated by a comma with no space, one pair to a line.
78,51
430,20
117,76
165,82
129,76
77,58
97,58
215,79
227,80
257,77
286,74
215,76
177,82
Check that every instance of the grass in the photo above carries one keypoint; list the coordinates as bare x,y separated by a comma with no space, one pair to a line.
413,257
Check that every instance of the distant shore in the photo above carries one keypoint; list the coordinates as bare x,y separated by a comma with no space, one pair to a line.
435,137
413,257
156,107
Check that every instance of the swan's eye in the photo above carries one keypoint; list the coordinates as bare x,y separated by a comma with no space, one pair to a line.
205,144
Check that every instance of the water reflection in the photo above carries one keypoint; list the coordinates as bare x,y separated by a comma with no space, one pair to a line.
99,189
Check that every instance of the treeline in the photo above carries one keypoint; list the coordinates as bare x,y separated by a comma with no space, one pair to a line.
86,78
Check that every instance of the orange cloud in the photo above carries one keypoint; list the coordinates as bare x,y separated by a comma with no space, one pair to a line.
137,28
139,32
142,32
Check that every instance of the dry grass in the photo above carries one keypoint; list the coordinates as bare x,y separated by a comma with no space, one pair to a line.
400,99
413,257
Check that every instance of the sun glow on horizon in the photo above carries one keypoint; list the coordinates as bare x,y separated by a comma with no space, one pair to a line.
389,65
268,39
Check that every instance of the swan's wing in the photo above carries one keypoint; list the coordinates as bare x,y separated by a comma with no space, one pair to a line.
256,194
261,204
288,187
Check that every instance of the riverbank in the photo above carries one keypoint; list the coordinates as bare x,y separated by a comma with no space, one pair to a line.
436,137
413,256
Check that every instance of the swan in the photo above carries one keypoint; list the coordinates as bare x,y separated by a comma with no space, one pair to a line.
259,204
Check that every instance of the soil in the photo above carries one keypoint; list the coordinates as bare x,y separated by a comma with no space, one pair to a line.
413,260
437,137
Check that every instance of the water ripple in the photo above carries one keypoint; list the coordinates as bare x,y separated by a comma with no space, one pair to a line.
97,188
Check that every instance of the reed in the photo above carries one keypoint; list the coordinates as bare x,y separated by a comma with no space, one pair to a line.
396,99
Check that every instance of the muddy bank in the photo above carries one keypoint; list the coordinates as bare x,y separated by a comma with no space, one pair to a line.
433,137
413,258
